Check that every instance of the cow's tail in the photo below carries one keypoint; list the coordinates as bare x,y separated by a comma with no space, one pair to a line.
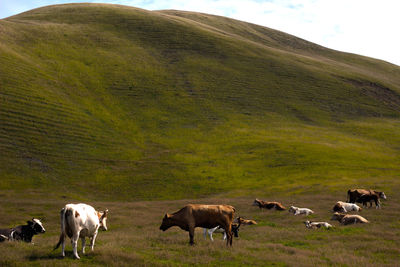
64,222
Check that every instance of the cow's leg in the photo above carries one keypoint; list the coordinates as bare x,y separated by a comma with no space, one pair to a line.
224,238
191,235
63,247
74,242
92,240
210,233
83,239
377,204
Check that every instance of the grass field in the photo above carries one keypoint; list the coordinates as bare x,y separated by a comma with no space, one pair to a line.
279,239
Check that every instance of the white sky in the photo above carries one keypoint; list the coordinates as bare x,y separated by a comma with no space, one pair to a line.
366,27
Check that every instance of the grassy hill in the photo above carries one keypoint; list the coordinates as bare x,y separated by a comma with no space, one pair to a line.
123,103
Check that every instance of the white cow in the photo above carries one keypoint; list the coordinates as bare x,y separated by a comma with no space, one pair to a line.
80,221
297,211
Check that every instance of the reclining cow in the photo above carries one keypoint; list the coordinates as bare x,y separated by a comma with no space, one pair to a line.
80,221
298,211
23,232
354,195
198,215
312,225
219,229
268,204
243,221
346,207
346,219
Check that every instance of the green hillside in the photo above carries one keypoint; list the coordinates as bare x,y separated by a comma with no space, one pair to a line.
123,103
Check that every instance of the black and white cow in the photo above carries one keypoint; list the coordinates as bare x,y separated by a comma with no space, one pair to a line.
23,232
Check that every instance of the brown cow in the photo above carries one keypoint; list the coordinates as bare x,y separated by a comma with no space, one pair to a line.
268,205
348,219
353,195
198,215
240,220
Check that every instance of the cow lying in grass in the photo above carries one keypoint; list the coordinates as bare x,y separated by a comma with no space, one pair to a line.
23,232
312,225
346,207
205,216
297,211
346,219
268,205
219,229
242,221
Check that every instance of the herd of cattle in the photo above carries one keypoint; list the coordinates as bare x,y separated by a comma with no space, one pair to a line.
82,220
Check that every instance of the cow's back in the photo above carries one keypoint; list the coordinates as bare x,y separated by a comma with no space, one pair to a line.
80,217
211,215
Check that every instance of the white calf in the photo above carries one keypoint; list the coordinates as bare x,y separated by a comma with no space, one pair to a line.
297,211
214,230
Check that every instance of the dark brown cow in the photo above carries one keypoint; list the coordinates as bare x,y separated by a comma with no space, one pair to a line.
198,215
268,205
353,195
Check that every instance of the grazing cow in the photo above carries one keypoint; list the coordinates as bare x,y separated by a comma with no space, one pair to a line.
346,219
268,205
23,232
297,211
365,198
80,221
346,207
312,225
354,194
242,221
219,229
198,215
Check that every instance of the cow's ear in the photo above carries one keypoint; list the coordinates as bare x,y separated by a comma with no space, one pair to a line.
29,222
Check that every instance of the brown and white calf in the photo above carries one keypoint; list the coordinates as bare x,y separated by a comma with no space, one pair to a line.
80,221
341,206
268,204
198,215
346,219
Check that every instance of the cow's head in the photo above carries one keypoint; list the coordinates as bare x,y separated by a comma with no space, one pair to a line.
256,202
337,216
382,195
292,209
37,226
307,223
167,222
103,219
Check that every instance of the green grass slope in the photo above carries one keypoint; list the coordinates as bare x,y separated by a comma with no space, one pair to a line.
123,103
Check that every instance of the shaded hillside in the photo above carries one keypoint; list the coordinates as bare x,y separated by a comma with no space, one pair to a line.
171,104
